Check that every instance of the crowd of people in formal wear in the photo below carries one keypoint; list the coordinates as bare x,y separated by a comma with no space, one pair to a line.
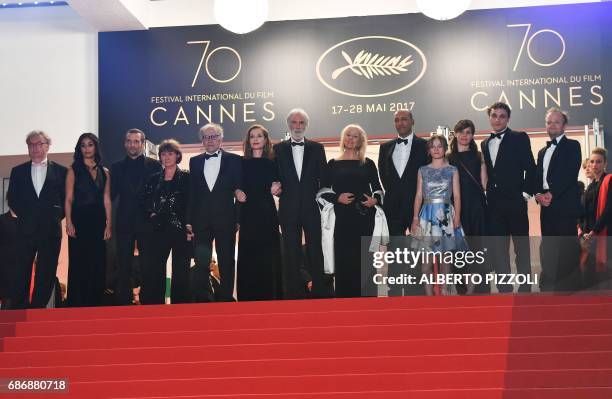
445,196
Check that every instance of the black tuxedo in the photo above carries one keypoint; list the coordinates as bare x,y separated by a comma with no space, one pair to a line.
512,175
39,230
400,191
298,211
213,216
560,247
130,221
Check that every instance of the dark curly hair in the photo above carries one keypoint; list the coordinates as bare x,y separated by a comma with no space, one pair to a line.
78,155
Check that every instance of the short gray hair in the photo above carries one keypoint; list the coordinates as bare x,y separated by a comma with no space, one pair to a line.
300,111
214,126
38,133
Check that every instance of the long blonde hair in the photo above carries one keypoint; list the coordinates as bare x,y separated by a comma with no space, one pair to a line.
363,141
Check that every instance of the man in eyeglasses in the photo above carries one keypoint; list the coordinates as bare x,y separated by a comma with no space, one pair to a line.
36,195
399,161
216,185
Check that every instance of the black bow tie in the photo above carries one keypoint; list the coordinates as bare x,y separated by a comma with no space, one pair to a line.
208,156
496,135
549,143
401,141
294,143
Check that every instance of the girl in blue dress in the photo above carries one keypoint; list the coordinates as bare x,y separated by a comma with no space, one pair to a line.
437,228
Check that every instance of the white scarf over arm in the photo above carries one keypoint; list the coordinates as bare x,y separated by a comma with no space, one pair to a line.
380,235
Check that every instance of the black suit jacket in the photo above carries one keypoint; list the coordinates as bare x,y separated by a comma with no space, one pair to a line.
514,168
38,214
401,190
217,208
131,216
562,178
297,200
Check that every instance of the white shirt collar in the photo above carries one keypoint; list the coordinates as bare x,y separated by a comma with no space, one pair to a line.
44,162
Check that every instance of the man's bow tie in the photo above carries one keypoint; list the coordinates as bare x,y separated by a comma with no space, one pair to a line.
294,143
208,156
496,135
549,143
43,163
401,141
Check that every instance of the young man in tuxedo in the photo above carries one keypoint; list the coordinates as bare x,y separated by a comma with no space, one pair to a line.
559,197
399,161
300,164
36,195
216,182
510,168
128,177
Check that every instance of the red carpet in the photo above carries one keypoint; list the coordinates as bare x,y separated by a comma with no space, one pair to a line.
415,347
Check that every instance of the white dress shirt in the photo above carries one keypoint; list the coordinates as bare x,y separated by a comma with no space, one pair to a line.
298,156
401,154
494,144
39,174
211,169
546,162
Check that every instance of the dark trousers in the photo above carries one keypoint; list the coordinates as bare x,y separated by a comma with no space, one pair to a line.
128,277
225,243
509,219
46,250
559,253
397,230
299,268
153,289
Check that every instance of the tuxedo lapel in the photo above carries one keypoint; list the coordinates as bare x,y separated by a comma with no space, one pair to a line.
487,154
504,147
28,177
199,167
557,154
289,156
389,156
48,177
222,167
307,156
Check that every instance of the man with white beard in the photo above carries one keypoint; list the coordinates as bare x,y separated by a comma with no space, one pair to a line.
300,163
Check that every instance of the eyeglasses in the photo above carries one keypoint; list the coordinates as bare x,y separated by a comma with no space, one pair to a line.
37,145
211,138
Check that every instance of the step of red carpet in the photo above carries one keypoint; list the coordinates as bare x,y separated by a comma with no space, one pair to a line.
484,393
309,334
381,364
305,319
160,386
323,305
293,350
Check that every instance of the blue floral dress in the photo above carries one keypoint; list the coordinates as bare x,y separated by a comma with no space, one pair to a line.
437,212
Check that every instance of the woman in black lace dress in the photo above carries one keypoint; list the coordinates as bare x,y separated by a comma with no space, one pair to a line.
88,223
165,201
259,241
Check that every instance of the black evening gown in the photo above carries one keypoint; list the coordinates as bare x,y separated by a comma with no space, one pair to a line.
473,209
473,205
87,251
351,261
259,243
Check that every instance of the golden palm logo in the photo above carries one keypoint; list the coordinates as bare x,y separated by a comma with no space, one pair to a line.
368,66
371,66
